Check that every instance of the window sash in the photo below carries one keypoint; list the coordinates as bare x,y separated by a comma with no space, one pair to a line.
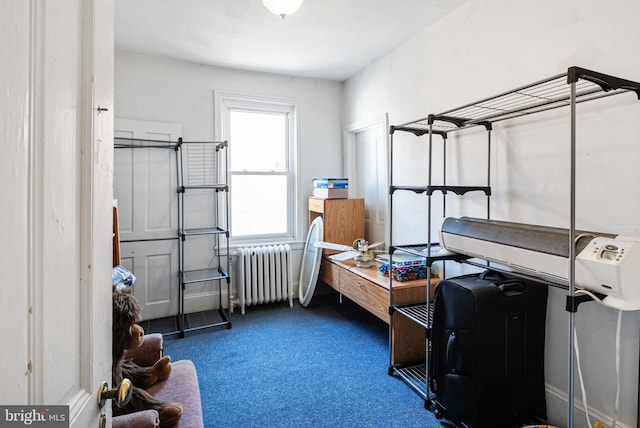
246,209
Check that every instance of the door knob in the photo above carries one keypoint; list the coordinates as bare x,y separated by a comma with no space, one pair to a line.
121,395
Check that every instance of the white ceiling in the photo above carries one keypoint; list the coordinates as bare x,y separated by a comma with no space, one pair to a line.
332,39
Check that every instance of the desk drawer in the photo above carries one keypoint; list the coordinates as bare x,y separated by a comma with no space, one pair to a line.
316,205
365,293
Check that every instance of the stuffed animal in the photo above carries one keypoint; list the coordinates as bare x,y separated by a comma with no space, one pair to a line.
128,335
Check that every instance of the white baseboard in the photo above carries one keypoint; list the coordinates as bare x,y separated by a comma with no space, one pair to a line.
557,402
206,301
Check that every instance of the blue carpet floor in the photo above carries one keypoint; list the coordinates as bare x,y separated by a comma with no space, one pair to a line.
321,366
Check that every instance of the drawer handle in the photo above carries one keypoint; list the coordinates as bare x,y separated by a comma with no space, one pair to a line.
358,284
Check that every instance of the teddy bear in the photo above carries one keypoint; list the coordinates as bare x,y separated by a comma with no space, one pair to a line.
128,335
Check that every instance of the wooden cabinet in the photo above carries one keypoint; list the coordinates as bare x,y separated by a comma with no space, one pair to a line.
367,288
343,219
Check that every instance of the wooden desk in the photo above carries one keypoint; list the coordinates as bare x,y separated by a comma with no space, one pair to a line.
369,289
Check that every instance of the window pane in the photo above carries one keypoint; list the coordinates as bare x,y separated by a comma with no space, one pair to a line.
259,141
259,205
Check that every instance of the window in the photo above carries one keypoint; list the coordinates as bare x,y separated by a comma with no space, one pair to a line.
261,137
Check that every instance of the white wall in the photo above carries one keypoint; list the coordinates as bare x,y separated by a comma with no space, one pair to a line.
171,91
163,90
489,46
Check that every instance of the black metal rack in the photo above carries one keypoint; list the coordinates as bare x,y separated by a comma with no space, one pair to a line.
133,143
568,89
202,169
415,374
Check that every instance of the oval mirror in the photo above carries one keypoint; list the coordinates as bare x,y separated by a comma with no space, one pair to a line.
311,258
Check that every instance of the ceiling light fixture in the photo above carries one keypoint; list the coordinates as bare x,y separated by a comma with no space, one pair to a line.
282,8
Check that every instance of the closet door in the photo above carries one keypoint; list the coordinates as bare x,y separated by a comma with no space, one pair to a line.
145,187
367,174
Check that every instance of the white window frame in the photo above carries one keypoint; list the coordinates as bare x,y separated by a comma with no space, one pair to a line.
227,101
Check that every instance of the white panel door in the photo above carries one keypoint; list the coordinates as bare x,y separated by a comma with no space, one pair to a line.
56,128
145,186
368,173
154,263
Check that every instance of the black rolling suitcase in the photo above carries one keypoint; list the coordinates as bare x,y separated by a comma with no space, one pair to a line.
486,365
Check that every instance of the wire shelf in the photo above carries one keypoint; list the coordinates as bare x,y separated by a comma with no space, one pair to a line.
546,94
418,313
203,275
430,253
203,164
415,376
